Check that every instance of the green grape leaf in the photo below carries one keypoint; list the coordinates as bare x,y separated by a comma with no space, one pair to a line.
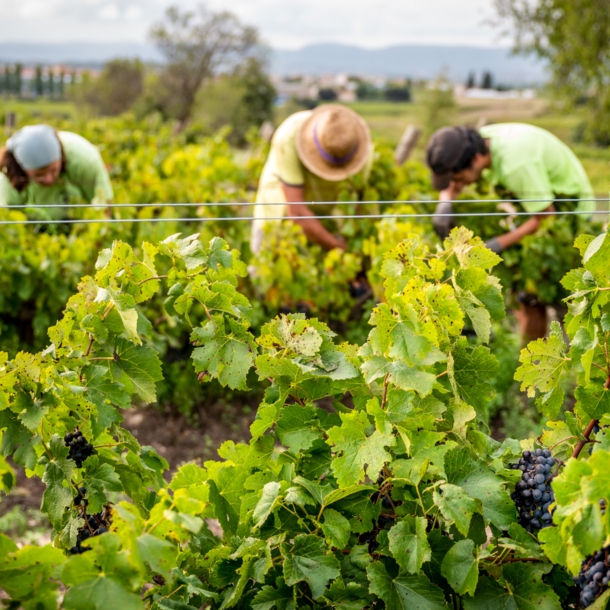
267,504
58,494
226,493
141,368
476,312
593,400
270,597
336,528
226,356
100,477
455,505
16,440
409,543
542,365
27,572
354,449
404,591
472,370
596,259
400,374
340,494
350,597
159,554
398,336
525,590
292,333
101,593
296,428
480,483
461,567
307,560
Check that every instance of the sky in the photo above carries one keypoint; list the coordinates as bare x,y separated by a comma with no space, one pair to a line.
287,24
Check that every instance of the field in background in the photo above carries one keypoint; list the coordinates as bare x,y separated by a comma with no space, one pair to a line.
388,120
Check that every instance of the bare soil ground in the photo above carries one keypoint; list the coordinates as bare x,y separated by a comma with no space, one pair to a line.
174,437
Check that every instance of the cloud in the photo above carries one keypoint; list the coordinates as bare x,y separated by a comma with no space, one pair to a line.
283,23
109,12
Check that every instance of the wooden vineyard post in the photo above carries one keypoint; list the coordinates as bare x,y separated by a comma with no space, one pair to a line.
266,131
10,123
406,145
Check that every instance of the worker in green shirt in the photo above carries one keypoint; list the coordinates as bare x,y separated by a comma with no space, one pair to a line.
520,161
525,161
311,153
44,167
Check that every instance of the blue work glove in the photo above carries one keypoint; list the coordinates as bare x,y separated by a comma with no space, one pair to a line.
494,245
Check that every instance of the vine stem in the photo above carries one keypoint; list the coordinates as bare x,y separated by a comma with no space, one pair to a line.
385,390
521,560
580,445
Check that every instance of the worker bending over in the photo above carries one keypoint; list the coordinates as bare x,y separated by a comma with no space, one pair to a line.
521,162
311,153
44,167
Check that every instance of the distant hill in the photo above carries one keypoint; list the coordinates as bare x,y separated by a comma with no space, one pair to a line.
415,61
75,53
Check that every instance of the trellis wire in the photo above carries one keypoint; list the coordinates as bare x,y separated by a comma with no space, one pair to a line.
289,203
264,219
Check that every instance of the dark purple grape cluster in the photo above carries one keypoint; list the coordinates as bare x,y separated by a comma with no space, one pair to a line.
95,525
533,494
593,577
80,449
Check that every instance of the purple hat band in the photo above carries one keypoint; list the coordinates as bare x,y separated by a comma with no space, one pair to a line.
327,156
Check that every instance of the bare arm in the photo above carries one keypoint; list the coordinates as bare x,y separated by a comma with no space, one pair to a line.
312,227
452,192
527,228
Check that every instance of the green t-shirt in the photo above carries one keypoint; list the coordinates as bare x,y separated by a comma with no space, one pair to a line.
85,179
531,163
283,166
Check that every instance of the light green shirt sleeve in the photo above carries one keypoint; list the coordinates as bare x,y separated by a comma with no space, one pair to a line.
288,165
8,195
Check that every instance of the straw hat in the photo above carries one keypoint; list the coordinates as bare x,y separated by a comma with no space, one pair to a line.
334,143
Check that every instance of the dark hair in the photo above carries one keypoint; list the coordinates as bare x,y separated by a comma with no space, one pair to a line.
475,145
16,175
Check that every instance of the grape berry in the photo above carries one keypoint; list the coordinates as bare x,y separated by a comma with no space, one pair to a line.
80,449
95,525
594,577
533,494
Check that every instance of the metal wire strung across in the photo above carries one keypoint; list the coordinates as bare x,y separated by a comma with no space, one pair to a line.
318,217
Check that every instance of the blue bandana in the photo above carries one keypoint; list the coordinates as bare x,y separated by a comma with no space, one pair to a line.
35,147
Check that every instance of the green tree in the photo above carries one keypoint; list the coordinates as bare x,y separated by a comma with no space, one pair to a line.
574,39
197,46
17,80
241,100
487,81
51,77
38,83
118,87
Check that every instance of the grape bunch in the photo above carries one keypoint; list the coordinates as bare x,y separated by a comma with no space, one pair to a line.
533,494
594,577
80,449
95,525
